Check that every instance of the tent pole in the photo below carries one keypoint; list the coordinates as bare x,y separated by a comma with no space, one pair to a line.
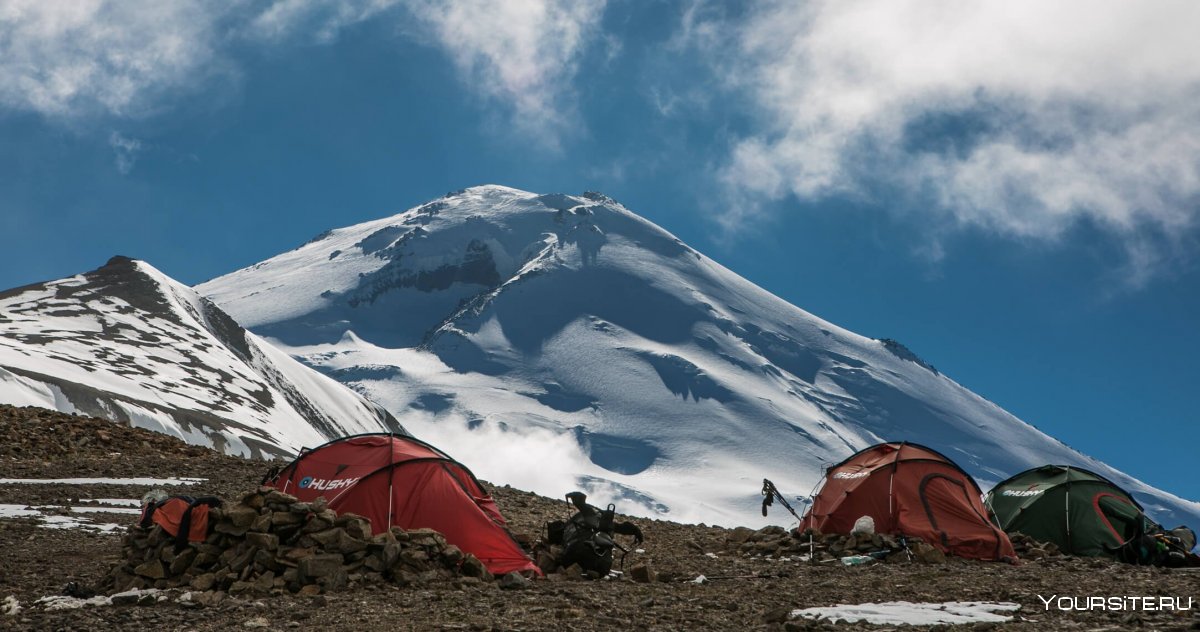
1067,507
891,480
391,474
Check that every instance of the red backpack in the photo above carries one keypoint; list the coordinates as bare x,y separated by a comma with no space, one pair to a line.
184,517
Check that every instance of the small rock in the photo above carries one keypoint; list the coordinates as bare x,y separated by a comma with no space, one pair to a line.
472,567
514,581
321,565
125,598
777,615
641,574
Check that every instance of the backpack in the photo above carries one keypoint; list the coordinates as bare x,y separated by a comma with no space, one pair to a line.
1150,544
184,517
587,538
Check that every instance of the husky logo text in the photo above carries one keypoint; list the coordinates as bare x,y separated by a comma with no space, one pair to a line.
323,484
848,475
1021,493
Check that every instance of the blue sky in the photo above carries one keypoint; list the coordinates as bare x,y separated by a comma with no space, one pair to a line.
1011,190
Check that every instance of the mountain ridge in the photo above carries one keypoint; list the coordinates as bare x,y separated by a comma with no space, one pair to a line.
127,343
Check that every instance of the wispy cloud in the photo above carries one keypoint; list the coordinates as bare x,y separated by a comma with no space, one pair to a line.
1022,118
521,52
126,151
321,20
72,59
65,58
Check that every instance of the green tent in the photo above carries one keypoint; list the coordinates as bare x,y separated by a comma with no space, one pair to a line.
1080,511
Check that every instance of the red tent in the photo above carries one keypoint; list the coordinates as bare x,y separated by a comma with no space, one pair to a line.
401,481
909,489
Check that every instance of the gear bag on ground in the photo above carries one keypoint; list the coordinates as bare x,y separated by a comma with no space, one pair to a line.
587,538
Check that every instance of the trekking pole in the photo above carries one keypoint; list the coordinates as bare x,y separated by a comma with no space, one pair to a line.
770,493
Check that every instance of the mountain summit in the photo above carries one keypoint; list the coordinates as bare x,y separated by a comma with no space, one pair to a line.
127,343
557,342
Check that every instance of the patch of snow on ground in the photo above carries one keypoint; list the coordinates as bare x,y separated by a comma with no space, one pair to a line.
18,511
102,481
907,613
56,521
63,602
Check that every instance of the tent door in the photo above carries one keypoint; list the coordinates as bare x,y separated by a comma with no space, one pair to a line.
1112,508
949,495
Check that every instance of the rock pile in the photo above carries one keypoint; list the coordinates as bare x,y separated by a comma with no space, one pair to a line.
1030,549
36,433
777,542
269,542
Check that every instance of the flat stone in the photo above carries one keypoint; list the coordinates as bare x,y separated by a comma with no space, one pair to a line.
241,516
253,500
320,565
277,497
262,523
287,518
152,569
265,541
296,554
183,561
203,582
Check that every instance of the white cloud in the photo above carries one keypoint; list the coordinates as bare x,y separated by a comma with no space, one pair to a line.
126,151
1019,117
522,52
323,20
71,59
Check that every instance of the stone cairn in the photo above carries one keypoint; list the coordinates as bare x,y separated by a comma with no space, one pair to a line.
269,542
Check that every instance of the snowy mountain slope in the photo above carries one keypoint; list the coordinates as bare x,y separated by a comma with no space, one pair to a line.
555,341
127,343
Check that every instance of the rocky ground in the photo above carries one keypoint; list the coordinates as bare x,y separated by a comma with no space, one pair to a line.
745,589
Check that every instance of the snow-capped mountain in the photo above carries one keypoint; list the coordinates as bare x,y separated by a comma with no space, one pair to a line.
127,343
555,342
